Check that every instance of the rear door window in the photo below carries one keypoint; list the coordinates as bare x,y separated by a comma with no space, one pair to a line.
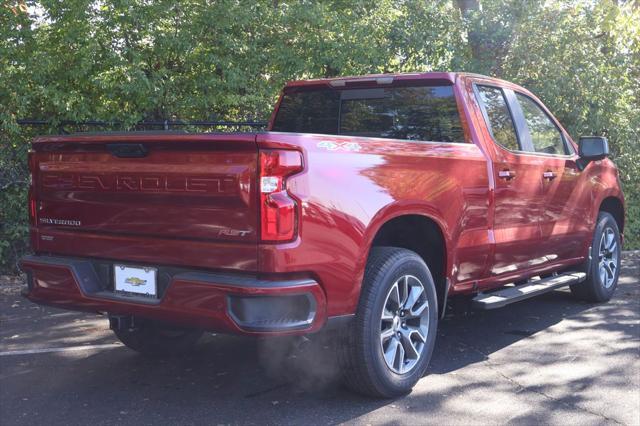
498,117
421,113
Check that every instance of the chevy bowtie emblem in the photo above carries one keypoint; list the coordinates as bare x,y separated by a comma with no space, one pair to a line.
134,281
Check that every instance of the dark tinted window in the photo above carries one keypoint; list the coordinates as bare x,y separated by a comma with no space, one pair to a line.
414,113
500,122
545,136
308,112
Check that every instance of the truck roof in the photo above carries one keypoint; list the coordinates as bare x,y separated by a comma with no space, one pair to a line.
386,78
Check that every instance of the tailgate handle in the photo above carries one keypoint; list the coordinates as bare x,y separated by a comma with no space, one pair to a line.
127,150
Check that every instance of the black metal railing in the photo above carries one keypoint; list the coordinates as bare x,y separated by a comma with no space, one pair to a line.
152,125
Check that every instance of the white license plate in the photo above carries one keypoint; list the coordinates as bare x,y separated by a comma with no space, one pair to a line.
136,280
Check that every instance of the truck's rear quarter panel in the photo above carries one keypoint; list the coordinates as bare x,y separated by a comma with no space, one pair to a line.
351,186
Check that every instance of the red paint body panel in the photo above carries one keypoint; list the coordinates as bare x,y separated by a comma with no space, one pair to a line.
193,202
346,196
189,302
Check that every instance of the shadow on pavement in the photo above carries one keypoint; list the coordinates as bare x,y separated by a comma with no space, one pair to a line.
242,380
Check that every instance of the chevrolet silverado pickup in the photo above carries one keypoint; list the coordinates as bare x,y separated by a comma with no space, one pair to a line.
367,204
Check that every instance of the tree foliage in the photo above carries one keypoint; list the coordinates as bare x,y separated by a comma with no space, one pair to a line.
127,60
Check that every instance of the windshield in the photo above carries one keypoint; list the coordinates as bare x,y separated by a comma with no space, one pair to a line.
424,113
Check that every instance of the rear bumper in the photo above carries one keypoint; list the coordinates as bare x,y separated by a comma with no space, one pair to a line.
218,302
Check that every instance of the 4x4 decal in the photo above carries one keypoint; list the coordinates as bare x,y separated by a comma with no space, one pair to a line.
339,146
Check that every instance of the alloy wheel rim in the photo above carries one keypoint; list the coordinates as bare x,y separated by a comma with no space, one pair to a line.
404,324
608,258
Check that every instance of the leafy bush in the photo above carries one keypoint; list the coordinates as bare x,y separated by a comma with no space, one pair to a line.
134,60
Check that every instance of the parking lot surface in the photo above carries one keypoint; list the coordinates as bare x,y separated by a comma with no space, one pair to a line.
549,360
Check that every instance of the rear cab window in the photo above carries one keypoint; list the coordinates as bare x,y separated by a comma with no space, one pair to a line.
416,113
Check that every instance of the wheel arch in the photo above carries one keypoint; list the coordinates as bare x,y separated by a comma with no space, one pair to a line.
614,206
422,234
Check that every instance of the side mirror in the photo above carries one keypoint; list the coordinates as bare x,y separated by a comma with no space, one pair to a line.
593,148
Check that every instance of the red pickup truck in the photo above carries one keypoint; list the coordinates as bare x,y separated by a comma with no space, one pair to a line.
368,203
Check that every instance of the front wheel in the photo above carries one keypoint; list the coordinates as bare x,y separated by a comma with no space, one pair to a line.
387,348
604,267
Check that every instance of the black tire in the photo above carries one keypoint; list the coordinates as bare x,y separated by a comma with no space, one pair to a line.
154,339
594,289
363,365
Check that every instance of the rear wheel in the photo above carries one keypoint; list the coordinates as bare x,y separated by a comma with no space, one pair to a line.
604,267
154,339
387,348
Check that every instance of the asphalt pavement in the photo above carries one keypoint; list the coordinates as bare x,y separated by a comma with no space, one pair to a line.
549,360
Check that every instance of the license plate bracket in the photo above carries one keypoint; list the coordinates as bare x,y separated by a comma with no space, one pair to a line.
135,281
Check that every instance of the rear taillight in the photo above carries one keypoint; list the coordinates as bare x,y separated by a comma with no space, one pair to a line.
278,210
31,160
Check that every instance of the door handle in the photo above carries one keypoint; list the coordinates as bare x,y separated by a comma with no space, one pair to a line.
549,175
506,174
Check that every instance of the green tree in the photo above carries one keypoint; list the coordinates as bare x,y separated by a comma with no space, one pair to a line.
581,58
128,60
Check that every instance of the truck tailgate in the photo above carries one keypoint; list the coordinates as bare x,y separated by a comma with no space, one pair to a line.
160,197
